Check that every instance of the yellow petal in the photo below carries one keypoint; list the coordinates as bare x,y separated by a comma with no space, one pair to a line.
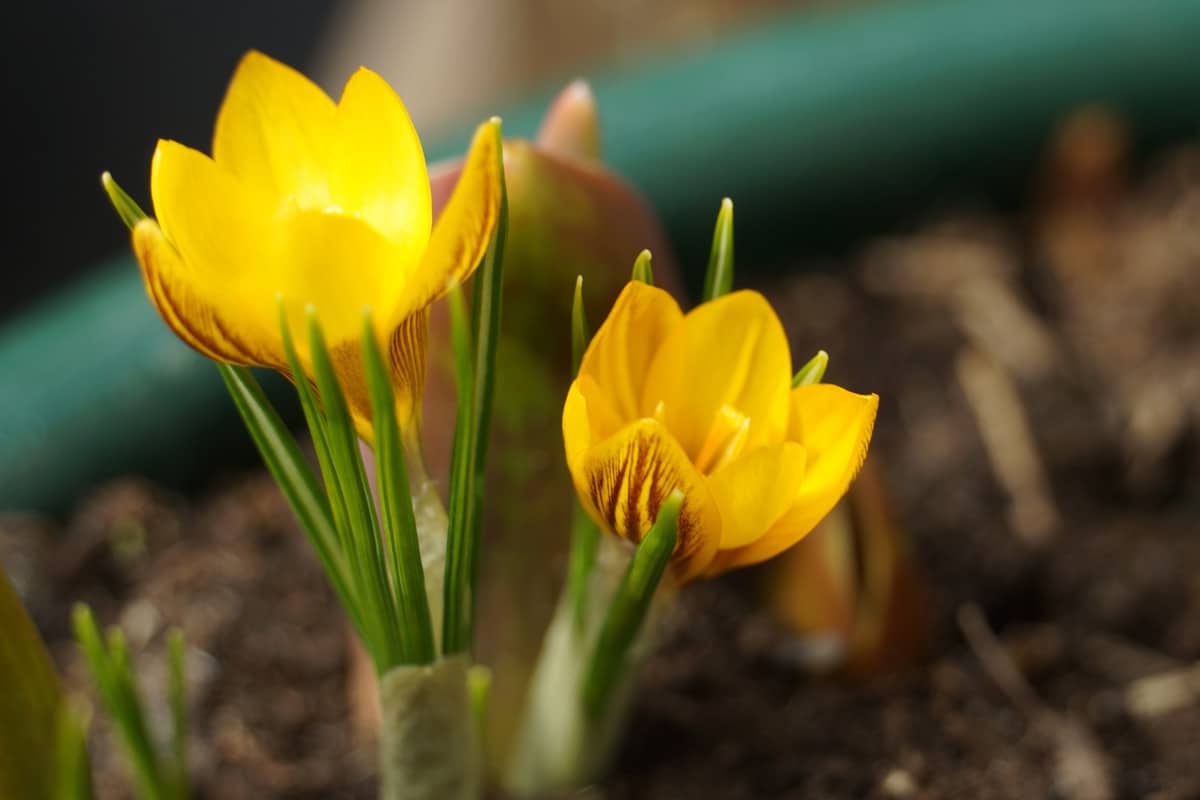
377,168
216,228
588,418
464,229
576,427
337,264
834,426
186,307
213,220
274,132
624,479
729,360
755,490
619,356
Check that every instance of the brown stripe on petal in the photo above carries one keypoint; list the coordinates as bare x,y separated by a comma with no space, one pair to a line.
195,321
166,309
639,476
163,303
629,488
613,477
187,316
688,542
699,534
406,359
627,478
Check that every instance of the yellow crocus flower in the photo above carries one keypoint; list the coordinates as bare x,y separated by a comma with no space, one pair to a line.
312,205
703,402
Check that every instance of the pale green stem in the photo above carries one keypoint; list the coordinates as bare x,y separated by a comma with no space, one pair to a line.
432,525
429,743
558,746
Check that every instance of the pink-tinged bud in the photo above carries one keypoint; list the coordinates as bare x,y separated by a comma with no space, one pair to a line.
571,128
568,216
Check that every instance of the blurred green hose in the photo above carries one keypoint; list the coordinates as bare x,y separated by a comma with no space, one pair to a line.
819,126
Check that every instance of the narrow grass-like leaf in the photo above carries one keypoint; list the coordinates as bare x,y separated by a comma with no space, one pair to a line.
177,696
487,309
319,431
580,332
400,526
366,552
585,541
813,371
629,606
469,459
462,342
342,542
72,765
642,269
280,452
287,465
129,211
132,718
460,464
109,666
585,535
719,278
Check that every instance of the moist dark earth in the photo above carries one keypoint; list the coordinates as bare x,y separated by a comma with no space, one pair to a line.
1039,377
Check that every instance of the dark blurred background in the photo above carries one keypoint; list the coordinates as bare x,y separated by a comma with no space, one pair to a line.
93,85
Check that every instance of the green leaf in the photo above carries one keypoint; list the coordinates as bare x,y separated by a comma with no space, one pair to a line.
585,535
116,684
295,478
629,606
580,334
469,459
319,431
813,371
460,469
462,343
72,765
400,526
108,662
585,541
642,269
719,278
177,696
369,572
129,211
30,702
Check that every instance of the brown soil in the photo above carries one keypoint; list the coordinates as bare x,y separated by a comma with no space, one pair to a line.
1069,520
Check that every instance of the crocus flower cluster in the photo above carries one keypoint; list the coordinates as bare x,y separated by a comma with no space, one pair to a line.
307,243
